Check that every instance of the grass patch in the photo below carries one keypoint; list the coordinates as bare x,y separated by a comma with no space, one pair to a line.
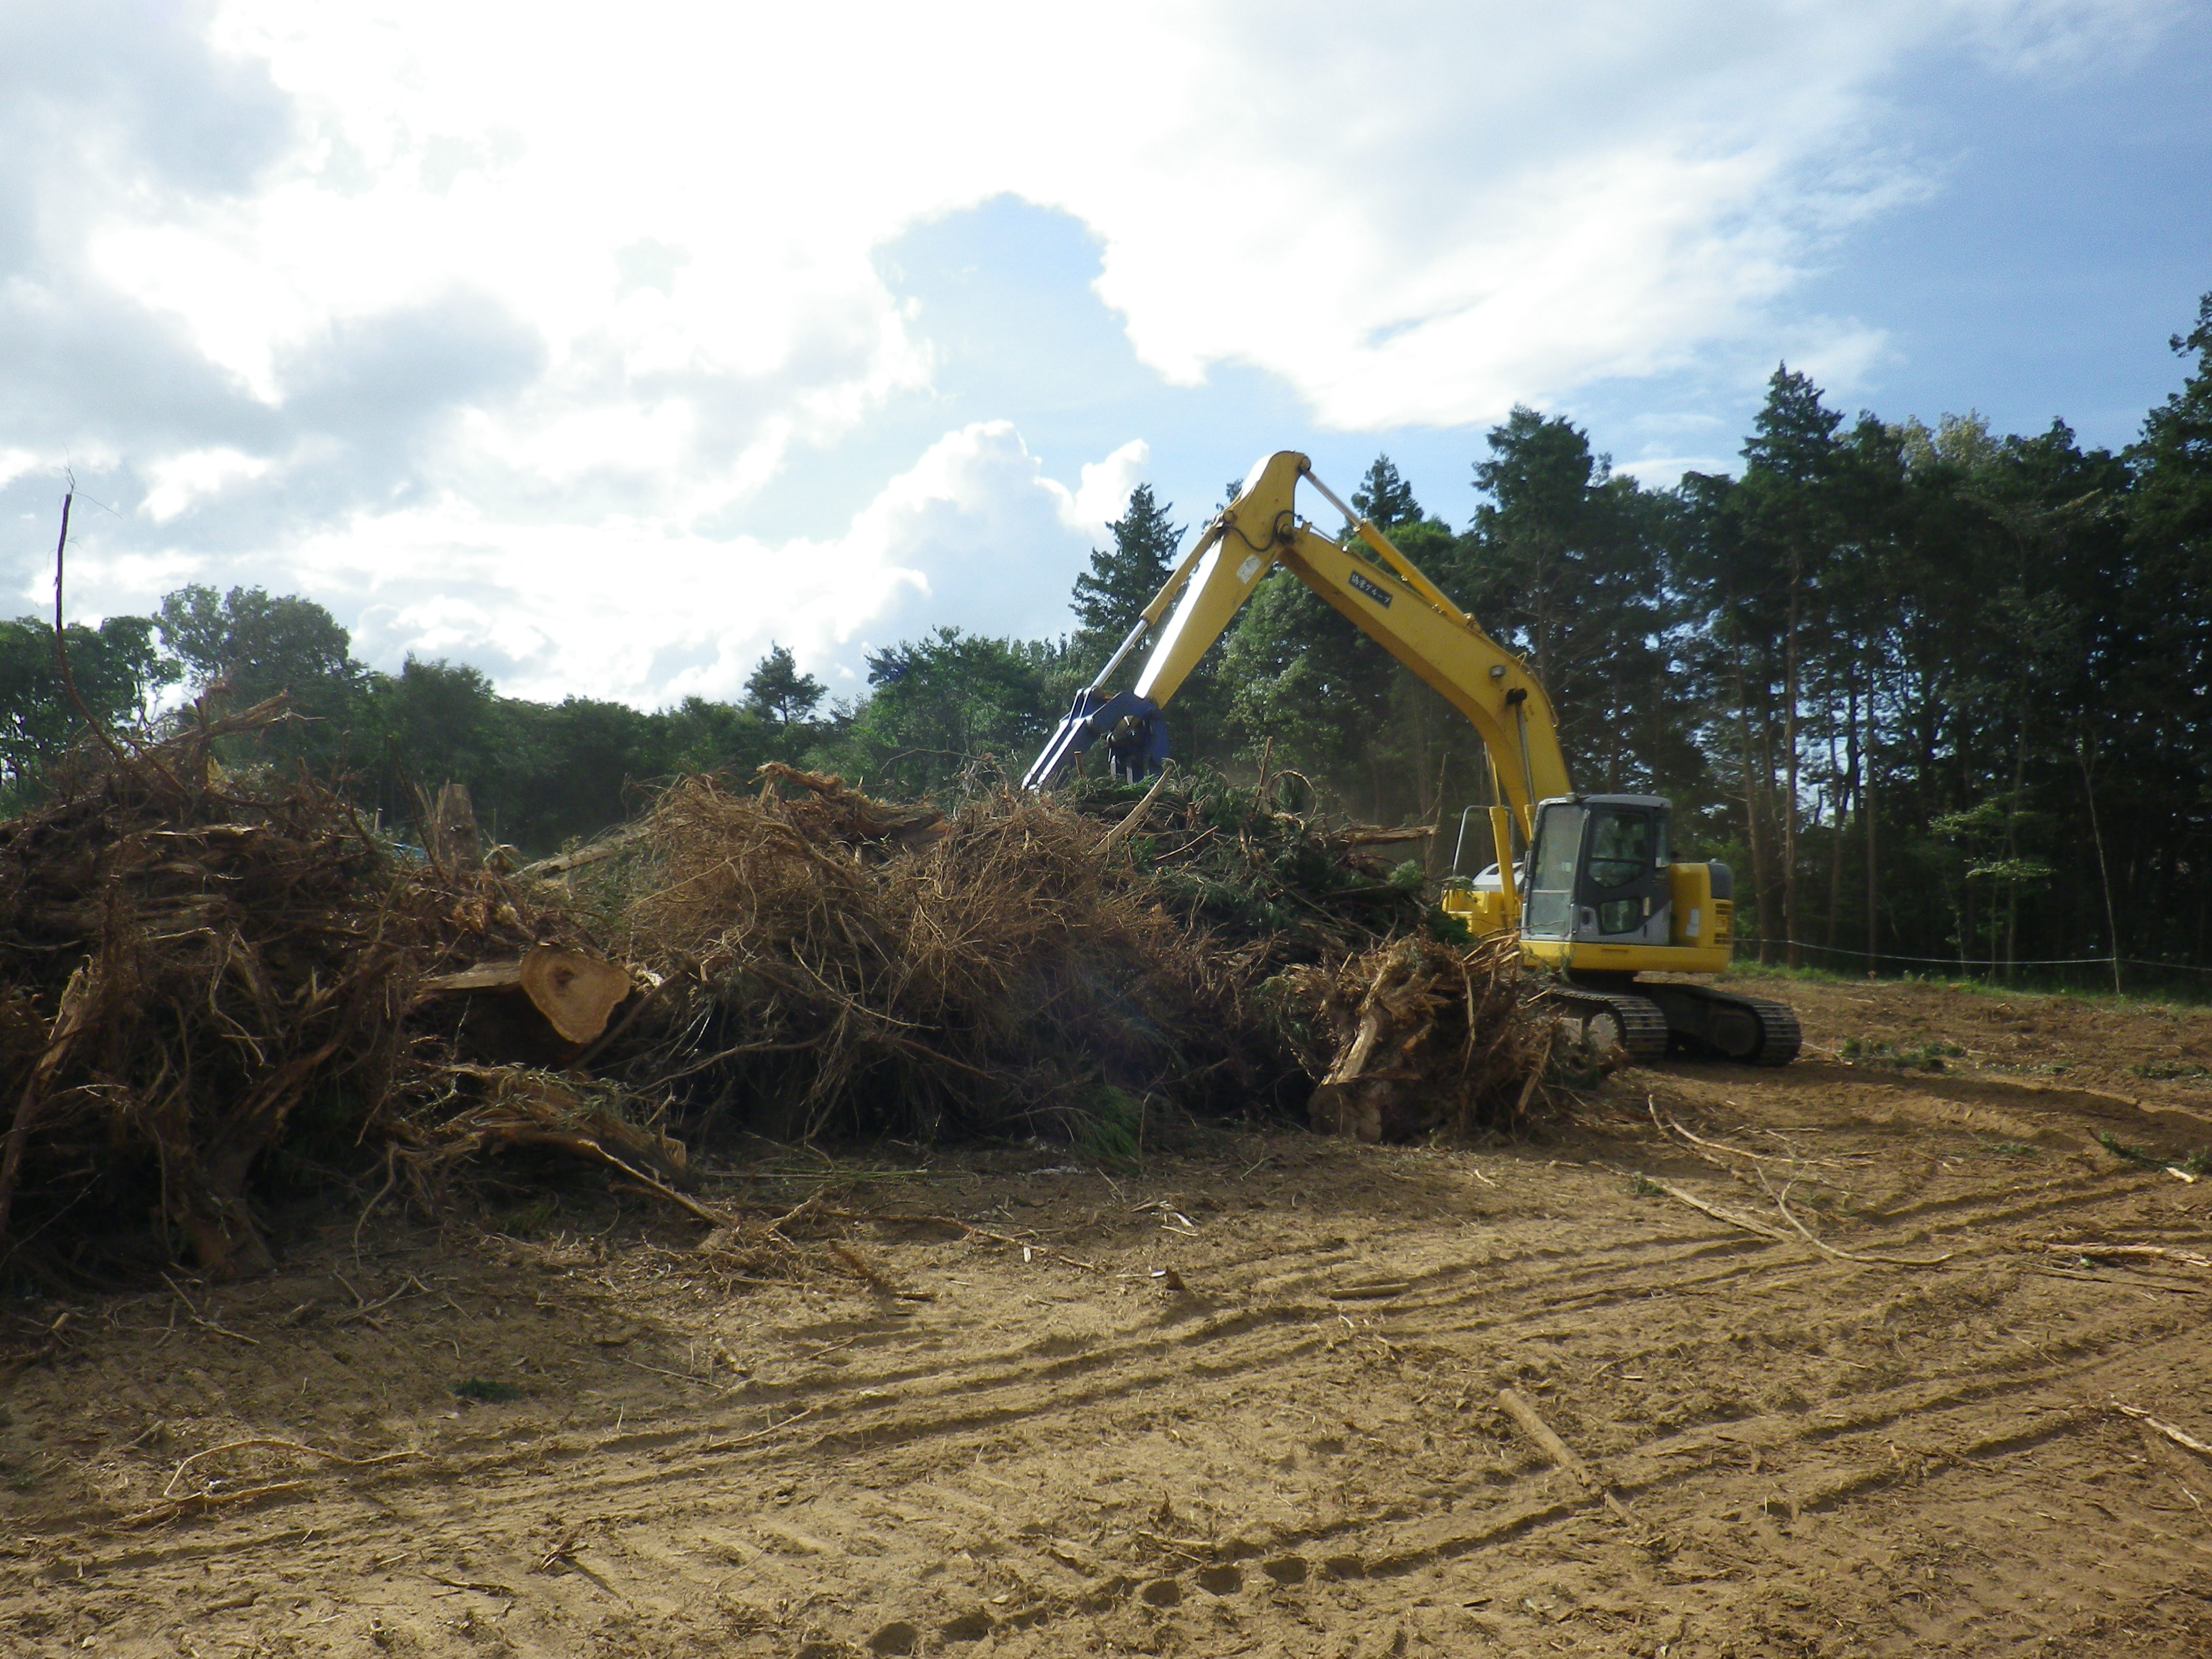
2199,1163
1111,1129
2161,1001
1928,1057
2128,1150
2162,1071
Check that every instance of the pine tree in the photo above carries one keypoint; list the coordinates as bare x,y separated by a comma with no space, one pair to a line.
1122,579
1787,497
1794,437
776,690
1384,499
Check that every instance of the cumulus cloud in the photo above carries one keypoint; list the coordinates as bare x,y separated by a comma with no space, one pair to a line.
487,333
647,608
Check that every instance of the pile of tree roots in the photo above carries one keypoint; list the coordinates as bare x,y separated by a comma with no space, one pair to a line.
1414,1036
205,974
218,987
852,968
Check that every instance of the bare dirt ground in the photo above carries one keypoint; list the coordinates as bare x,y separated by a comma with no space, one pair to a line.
1246,1402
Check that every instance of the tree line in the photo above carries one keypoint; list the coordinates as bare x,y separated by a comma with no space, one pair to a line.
1943,697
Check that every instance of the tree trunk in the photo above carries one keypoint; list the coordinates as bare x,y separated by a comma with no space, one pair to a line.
1789,763
1846,777
1866,811
1750,793
2012,848
451,837
2104,874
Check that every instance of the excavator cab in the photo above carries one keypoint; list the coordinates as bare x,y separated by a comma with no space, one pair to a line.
1600,871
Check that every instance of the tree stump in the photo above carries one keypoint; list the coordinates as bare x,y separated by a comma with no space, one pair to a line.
451,837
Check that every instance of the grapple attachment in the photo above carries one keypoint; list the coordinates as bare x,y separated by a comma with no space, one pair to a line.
1135,735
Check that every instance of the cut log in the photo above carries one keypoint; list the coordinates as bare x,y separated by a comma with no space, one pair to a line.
576,992
485,976
1376,836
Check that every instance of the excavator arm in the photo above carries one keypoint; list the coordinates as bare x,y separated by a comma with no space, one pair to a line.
1386,596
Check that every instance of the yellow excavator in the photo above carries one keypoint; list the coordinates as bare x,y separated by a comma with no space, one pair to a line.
1594,897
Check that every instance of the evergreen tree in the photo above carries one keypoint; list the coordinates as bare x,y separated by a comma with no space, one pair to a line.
1794,433
1385,500
775,690
1564,563
1123,580
1786,496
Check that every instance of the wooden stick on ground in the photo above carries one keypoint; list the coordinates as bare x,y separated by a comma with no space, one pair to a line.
1558,1450
1734,1218
178,1474
1832,1253
208,1500
2178,1437
2164,1252
1666,1121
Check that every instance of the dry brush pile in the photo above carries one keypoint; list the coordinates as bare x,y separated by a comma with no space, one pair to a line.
200,971
852,967
208,978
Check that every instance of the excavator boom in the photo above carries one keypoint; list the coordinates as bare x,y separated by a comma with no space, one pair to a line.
1385,596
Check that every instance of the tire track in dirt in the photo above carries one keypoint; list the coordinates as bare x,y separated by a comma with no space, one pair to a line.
1301,1455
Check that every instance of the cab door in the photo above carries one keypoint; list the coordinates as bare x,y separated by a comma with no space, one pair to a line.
1553,872
1626,890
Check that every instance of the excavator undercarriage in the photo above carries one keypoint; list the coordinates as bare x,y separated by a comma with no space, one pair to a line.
1649,1019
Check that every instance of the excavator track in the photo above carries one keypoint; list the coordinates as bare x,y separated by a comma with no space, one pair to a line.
1720,1022
1609,1019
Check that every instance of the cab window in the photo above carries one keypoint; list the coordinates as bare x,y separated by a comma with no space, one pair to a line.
1623,848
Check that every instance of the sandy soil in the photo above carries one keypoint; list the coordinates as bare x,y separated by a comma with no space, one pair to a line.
1247,1401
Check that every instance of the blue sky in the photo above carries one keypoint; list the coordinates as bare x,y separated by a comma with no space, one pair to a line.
599,357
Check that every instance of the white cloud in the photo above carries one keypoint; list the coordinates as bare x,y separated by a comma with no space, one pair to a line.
1105,488
649,610
498,338
180,481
